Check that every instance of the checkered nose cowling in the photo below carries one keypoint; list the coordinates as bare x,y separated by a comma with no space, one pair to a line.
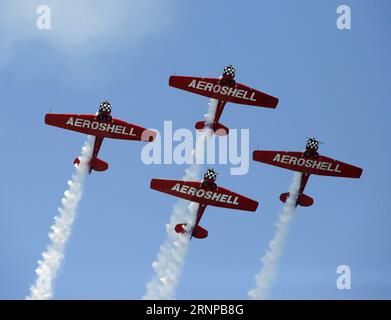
210,175
105,106
312,144
229,71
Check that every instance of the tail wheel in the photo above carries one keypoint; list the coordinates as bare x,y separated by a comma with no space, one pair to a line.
205,184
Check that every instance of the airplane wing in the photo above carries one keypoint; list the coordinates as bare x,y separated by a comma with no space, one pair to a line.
89,124
193,191
211,87
296,161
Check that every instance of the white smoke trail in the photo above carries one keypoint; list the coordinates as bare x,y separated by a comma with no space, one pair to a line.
54,254
172,254
264,279
209,117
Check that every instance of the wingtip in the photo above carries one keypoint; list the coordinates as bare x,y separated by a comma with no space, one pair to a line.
152,184
170,79
49,118
276,102
148,135
359,173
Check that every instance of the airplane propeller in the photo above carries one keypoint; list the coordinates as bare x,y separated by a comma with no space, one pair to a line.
314,139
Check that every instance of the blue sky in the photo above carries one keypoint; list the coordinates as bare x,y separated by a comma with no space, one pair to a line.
332,84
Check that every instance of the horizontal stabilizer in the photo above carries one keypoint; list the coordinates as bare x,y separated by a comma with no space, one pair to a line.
218,128
302,200
99,165
200,125
180,228
284,196
200,233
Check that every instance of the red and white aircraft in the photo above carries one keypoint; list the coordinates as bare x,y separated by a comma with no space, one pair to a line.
223,89
101,125
308,162
205,193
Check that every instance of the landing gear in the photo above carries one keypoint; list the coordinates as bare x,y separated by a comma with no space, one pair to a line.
210,185
228,82
205,184
102,117
309,154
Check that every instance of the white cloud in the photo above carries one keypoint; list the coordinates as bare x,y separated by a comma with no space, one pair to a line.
81,27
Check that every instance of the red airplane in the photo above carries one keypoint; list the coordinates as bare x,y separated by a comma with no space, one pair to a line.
308,162
101,125
205,193
223,89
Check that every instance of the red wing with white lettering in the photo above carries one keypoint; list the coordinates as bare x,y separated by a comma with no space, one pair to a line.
296,161
193,191
170,187
233,201
89,124
211,87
